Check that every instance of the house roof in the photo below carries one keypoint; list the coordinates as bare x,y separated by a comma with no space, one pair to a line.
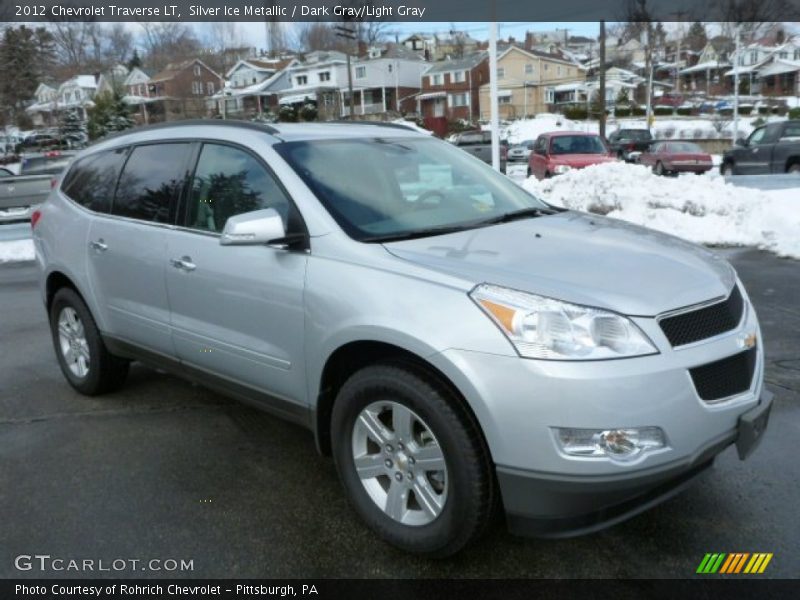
779,67
536,54
458,64
173,69
708,65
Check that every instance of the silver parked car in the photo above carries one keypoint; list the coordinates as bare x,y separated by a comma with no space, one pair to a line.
521,151
456,344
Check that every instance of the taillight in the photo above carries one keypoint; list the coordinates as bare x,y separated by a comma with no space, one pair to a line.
53,182
37,214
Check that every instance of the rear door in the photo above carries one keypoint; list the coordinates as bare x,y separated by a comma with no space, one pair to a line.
538,158
127,250
755,157
237,311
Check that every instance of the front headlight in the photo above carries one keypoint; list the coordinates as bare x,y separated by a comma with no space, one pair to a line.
558,169
540,327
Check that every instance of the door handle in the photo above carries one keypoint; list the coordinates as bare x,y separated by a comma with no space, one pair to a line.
185,263
99,245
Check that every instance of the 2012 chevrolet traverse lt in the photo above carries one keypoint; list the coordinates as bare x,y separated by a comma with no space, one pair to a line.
456,344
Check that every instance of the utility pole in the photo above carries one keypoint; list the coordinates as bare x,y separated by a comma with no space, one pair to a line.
736,85
494,106
649,65
602,90
349,34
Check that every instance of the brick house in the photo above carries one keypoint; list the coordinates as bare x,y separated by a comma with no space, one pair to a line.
450,87
182,89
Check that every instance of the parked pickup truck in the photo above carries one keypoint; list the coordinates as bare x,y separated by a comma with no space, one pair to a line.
479,144
773,148
628,144
20,194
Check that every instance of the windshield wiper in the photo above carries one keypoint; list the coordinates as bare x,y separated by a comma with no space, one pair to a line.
525,213
420,233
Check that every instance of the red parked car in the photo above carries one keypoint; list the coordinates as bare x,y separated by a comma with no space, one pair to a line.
671,158
561,151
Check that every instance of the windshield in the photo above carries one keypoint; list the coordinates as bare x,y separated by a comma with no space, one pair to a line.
634,134
384,188
577,144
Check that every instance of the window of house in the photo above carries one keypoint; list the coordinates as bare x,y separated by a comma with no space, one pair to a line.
558,70
151,182
91,182
437,79
361,72
197,88
504,99
783,54
754,56
458,99
546,66
797,54
549,95
228,182
458,77
197,70
302,80
528,68
325,76
210,87
501,72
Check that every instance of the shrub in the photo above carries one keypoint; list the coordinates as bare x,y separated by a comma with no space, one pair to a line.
638,111
287,114
684,112
576,113
622,111
763,110
308,112
662,110
794,113
745,110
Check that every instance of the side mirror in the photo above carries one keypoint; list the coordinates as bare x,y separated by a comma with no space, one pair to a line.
740,142
253,228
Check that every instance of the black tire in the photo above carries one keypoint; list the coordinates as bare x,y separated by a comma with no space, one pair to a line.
794,168
529,172
106,372
471,492
726,169
658,169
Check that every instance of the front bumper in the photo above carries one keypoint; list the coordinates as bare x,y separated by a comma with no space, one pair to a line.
551,506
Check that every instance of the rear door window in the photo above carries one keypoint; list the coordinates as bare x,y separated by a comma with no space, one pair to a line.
151,182
91,181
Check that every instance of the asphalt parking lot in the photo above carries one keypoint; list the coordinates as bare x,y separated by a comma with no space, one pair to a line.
165,469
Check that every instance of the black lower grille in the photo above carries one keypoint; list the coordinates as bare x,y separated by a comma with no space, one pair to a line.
706,322
726,377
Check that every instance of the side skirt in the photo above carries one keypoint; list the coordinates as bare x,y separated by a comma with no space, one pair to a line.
277,406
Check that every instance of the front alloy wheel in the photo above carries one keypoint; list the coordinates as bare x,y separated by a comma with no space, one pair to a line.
400,463
411,459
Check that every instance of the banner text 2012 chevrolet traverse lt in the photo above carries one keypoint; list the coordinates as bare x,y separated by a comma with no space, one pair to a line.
456,344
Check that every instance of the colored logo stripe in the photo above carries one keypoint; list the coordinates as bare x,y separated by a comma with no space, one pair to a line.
734,562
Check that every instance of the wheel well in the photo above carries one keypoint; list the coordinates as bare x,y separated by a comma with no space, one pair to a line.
792,160
55,281
348,359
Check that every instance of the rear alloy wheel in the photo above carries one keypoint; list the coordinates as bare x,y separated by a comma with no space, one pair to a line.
86,363
412,462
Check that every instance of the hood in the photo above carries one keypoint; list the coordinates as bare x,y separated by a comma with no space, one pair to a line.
578,161
580,258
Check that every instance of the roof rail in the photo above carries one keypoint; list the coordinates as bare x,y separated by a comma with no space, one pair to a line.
263,127
375,123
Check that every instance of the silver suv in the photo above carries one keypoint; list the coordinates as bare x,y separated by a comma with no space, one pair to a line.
456,344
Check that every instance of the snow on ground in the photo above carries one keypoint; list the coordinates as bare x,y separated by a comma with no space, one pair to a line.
663,127
16,250
700,209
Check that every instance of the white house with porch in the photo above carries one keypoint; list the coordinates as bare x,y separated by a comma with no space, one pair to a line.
318,77
387,79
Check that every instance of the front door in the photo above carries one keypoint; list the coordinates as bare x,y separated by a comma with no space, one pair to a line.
237,311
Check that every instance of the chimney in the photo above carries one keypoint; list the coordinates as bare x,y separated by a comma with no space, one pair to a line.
528,40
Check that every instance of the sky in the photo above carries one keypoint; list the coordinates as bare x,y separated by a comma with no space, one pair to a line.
253,34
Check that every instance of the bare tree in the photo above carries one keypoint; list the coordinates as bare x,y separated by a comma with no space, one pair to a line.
756,18
168,42
119,43
319,35
73,40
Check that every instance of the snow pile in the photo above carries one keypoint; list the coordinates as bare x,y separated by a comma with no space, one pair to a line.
16,250
412,125
700,209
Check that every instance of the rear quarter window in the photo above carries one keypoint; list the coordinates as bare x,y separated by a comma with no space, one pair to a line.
92,180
